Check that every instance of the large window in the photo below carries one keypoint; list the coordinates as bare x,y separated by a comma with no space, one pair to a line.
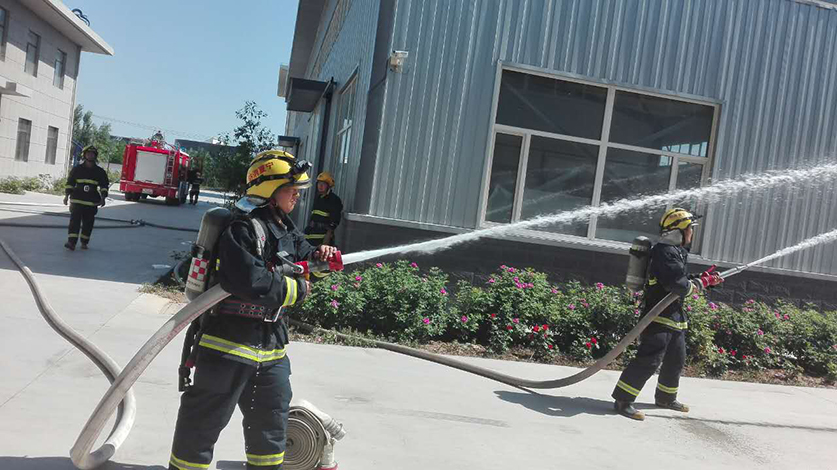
33,51
4,29
561,144
58,73
24,132
345,117
52,145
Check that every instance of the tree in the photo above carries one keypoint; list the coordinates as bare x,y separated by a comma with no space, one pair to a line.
86,132
228,168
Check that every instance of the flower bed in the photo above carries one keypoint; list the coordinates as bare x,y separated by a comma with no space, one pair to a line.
520,308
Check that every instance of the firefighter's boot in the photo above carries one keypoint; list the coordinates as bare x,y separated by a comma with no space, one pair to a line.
70,246
673,405
626,408
83,246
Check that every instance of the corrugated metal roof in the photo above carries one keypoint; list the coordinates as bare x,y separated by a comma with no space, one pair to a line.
771,63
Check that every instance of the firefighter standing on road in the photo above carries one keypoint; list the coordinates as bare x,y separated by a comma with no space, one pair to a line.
663,342
241,357
326,213
86,190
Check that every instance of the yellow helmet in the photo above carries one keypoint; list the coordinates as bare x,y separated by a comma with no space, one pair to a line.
273,169
677,219
326,177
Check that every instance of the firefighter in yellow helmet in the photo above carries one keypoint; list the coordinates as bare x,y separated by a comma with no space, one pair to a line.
663,342
326,213
240,352
86,190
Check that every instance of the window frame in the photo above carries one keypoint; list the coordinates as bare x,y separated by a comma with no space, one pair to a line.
19,148
4,36
55,76
53,146
603,144
34,71
341,154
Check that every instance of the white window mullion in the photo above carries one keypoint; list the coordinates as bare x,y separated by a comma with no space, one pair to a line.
600,164
521,178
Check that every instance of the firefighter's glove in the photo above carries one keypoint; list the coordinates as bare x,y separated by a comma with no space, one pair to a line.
303,287
102,204
65,199
709,279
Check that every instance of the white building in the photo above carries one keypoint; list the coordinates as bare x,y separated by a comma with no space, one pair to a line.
41,42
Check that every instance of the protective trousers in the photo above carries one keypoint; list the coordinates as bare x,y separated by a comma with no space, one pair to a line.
263,395
81,222
659,345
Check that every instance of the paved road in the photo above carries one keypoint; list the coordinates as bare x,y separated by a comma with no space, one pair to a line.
399,412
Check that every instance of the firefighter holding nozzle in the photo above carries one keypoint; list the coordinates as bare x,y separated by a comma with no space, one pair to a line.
239,351
663,342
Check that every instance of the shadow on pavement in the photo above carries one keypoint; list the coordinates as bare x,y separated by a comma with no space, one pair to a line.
64,463
550,405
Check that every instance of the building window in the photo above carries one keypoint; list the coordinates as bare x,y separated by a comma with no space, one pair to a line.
24,131
4,29
562,144
33,52
52,145
60,64
345,117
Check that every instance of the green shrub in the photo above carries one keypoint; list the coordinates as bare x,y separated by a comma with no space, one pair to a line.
11,185
520,308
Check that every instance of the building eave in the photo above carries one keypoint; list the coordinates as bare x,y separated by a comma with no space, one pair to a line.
67,23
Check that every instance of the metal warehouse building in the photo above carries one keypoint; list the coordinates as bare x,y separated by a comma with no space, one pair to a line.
443,116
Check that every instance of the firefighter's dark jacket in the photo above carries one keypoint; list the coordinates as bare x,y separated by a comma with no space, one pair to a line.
668,272
325,215
249,278
87,186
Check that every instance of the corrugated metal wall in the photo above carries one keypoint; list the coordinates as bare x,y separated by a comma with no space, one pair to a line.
770,62
351,51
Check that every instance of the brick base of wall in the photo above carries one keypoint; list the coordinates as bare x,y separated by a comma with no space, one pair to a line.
476,261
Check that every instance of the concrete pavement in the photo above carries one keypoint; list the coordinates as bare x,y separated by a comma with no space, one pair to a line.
399,412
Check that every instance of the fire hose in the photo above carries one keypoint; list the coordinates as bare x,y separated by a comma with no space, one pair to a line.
310,428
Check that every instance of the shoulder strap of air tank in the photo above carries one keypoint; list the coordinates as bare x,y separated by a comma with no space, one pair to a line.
261,235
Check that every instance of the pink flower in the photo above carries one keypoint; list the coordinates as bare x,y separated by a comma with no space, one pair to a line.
379,265
588,344
536,328
426,320
549,346
464,319
689,308
750,302
545,327
530,285
493,315
777,315
834,347
334,286
760,333
512,270
695,296
767,350
504,267
443,291
357,285
571,306
554,291
515,320
721,350
335,303
509,327
358,278
787,317
413,265
732,353
491,281
599,286
594,340
637,294
713,306
516,279
636,313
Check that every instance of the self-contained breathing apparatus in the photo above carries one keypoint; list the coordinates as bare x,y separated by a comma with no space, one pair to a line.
204,265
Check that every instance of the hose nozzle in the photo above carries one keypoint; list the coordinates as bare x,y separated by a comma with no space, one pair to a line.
333,263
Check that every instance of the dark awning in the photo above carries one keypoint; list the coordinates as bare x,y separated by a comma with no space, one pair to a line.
303,95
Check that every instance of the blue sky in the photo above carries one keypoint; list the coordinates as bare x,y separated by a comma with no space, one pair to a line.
185,65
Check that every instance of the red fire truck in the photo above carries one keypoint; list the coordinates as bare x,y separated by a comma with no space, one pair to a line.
154,168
